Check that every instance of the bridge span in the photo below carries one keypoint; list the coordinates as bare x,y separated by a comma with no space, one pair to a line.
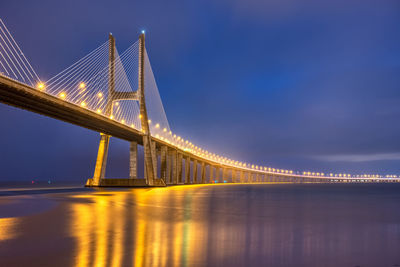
168,159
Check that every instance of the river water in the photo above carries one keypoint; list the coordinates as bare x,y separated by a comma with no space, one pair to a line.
203,225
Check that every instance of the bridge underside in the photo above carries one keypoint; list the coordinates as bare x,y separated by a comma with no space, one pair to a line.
23,96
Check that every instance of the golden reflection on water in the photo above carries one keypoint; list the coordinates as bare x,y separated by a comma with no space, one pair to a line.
8,228
156,227
230,226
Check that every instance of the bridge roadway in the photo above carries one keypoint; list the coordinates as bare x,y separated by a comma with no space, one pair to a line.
26,97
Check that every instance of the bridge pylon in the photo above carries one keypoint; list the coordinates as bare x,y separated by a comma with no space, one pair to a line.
150,153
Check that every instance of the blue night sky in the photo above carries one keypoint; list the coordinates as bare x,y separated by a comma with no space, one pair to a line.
302,85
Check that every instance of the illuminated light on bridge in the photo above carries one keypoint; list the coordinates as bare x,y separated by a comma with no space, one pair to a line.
107,76
40,86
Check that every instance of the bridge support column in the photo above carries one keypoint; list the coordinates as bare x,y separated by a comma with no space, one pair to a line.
179,167
203,173
163,159
174,164
234,174
241,177
224,175
150,160
187,170
101,161
211,174
217,174
168,178
133,155
195,176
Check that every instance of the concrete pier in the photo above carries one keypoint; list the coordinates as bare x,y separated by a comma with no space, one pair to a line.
187,170
174,167
133,155
179,167
163,159
101,162
203,173
195,172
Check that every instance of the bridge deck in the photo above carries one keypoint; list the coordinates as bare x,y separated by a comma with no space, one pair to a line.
25,97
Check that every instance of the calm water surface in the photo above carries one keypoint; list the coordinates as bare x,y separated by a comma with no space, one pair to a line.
223,225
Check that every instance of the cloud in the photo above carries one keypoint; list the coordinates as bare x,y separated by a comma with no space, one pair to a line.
359,157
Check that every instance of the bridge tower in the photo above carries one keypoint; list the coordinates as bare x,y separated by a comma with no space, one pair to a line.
150,156
102,154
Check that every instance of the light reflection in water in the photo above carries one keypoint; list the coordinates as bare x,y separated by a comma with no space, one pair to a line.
8,228
162,230
232,226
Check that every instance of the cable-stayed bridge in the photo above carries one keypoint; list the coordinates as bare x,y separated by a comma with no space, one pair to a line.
117,95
